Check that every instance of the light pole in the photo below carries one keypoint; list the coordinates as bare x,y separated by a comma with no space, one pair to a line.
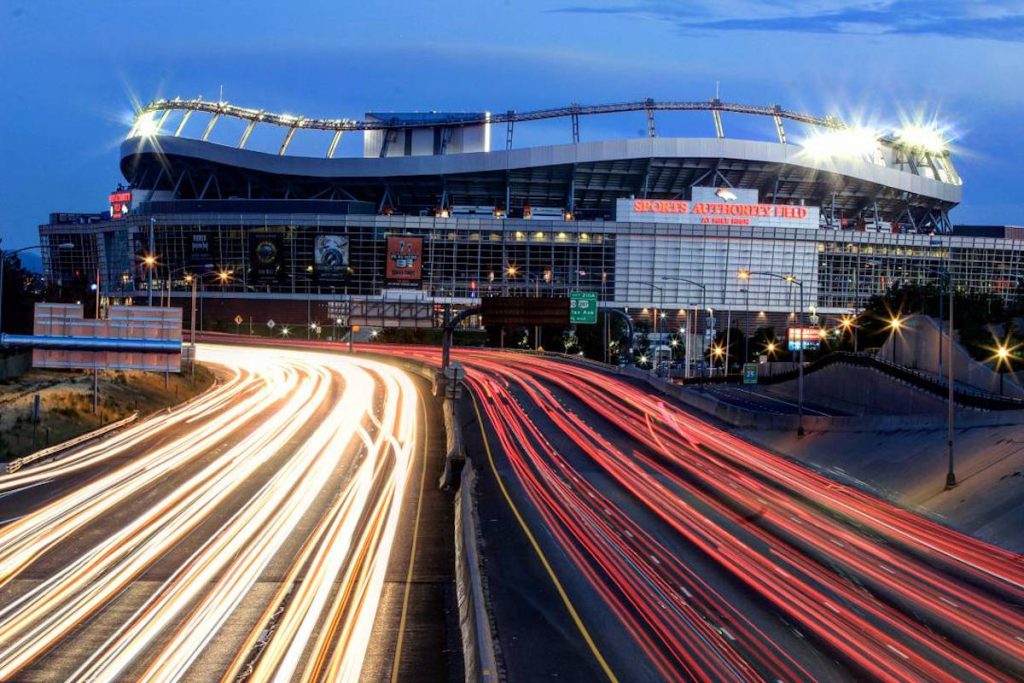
1003,360
895,327
791,279
3,261
746,324
150,260
703,301
848,324
661,299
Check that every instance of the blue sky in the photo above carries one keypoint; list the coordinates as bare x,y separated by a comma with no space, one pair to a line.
71,69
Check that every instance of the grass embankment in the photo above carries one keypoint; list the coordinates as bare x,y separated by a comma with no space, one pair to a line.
66,403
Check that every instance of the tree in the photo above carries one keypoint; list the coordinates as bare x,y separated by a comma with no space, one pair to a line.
19,295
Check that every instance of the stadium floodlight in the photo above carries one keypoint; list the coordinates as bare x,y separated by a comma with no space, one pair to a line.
853,142
146,125
927,138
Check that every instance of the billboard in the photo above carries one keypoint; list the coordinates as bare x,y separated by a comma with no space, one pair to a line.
525,310
123,323
120,204
265,257
201,254
404,261
330,257
809,338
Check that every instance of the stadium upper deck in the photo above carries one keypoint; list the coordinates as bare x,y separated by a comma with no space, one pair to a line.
418,164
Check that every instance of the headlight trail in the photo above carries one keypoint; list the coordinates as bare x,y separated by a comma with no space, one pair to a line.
341,463
894,595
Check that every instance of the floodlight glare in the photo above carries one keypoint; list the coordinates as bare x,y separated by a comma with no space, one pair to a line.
854,142
146,125
927,138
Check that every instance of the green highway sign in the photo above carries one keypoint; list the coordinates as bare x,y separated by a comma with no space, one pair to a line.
750,373
583,308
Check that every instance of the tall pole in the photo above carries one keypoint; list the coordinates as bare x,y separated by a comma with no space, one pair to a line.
728,339
950,475
746,336
152,249
3,260
96,368
800,402
704,312
192,335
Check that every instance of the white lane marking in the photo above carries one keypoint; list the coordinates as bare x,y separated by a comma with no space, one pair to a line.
25,488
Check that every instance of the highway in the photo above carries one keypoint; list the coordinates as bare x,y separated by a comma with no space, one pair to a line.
672,550
244,536
249,536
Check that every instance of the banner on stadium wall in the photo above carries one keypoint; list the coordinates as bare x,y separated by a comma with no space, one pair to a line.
265,257
202,254
120,204
331,257
404,261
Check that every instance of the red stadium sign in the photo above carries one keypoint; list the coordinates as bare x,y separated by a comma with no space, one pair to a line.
120,204
719,209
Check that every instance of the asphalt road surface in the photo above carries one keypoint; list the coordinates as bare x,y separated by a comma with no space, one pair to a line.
250,535
627,540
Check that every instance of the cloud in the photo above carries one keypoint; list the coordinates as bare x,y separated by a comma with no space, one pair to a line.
950,18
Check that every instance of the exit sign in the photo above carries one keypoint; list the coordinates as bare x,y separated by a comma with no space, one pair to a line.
583,308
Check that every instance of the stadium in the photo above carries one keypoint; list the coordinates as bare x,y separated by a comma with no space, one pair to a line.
433,211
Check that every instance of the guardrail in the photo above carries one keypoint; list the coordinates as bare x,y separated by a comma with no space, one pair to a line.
477,640
16,464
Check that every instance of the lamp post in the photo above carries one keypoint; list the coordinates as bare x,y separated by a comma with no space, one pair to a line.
1002,358
746,324
791,279
895,326
703,300
661,301
150,260
848,324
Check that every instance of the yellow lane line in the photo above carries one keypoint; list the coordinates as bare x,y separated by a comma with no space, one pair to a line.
415,538
540,553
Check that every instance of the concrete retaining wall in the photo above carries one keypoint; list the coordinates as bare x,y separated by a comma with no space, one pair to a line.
748,419
477,639
918,347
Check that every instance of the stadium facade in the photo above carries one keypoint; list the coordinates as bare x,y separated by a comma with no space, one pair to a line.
432,213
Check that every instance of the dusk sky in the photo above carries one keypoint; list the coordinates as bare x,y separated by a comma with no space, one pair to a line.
71,70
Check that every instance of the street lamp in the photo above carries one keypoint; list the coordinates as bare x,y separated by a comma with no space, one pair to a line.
792,280
895,325
703,300
1003,357
149,260
848,325
717,352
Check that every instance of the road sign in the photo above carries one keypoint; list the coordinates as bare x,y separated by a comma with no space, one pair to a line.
271,323
583,308
524,310
750,373
238,320
456,372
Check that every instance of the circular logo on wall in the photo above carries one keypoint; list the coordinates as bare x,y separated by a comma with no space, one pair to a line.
266,252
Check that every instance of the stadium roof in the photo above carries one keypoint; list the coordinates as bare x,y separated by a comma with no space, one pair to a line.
891,179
